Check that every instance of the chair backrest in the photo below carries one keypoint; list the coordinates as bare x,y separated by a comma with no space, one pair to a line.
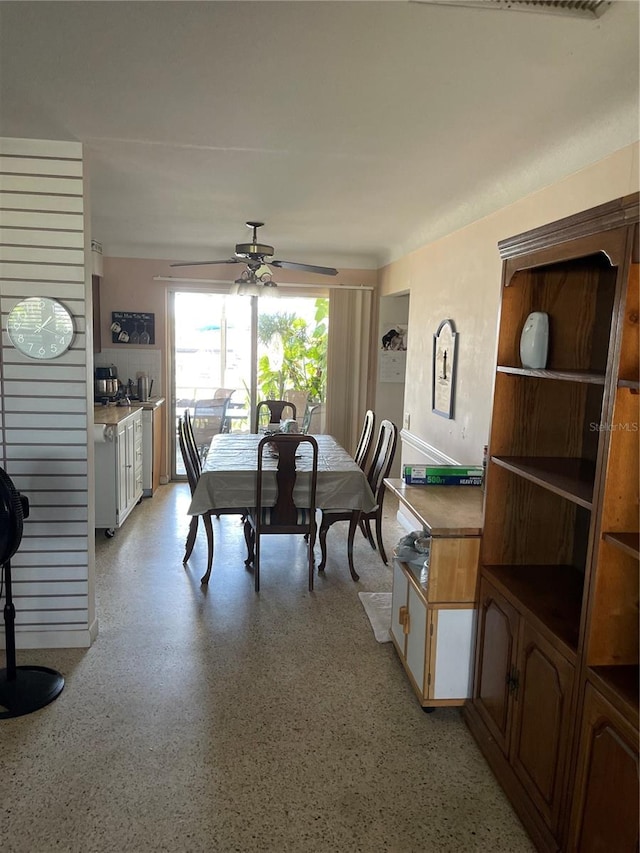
382,458
192,473
300,400
275,409
366,437
223,393
284,512
190,440
208,419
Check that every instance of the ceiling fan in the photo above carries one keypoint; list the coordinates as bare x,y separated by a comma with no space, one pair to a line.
256,257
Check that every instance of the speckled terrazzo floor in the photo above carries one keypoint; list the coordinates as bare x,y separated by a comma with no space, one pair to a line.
218,720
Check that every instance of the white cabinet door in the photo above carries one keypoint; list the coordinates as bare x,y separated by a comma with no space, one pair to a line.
454,651
121,475
416,638
398,600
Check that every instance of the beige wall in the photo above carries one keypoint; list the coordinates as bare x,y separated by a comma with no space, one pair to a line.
128,285
458,277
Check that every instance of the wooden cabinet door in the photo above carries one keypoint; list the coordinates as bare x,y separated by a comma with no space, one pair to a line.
495,663
540,739
604,816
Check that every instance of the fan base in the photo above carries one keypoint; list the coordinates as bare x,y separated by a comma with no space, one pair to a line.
32,688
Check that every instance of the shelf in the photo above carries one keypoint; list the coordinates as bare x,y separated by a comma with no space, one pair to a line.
627,542
629,383
570,478
584,376
550,595
619,684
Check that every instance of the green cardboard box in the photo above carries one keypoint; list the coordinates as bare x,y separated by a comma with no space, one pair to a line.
443,475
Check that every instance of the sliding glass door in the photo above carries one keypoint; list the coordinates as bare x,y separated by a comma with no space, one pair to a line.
230,351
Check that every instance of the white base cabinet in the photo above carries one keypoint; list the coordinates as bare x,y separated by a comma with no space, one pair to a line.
434,612
434,641
118,466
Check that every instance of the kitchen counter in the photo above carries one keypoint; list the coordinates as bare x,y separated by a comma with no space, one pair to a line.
112,415
153,403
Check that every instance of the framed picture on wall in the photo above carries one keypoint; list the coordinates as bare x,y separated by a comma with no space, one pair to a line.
132,327
445,347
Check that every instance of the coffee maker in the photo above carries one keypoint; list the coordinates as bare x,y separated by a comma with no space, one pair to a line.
105,384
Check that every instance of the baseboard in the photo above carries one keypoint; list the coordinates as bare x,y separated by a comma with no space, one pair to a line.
429,453
39,639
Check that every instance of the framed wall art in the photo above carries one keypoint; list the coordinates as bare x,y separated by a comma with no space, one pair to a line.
132,327
445,347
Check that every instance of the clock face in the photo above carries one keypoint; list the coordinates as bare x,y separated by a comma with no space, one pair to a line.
40,327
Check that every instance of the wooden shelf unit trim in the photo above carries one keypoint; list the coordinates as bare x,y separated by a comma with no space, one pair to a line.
447,511
585,376
549,596
633,384
606,217
627,542
569,478
618,684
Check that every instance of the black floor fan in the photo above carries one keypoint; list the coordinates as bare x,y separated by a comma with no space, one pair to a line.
23,689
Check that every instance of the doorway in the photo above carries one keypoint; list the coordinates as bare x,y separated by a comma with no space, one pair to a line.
239,350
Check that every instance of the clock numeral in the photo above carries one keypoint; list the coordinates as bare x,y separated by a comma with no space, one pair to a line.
53,348
41,351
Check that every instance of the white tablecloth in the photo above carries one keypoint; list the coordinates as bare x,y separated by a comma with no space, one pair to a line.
228,479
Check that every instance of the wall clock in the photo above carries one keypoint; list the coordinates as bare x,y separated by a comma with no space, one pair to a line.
445,346
40,327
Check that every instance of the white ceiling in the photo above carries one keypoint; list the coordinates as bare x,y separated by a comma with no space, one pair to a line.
357,131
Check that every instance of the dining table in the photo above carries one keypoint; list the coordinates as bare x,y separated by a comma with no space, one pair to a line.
229,474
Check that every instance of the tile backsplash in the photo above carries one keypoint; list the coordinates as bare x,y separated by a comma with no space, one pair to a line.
129,362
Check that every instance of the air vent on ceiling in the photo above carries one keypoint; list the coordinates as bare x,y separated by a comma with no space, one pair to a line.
576,8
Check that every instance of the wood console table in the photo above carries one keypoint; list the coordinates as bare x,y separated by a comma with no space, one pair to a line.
433,613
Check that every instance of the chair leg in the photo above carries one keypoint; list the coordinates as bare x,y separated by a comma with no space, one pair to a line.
191,538
256,562
353,526
322,537
249,539
379,537
209,528
311,543
365,526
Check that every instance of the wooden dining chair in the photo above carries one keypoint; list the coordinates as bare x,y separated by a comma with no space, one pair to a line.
380,466
192,467
284,516
366,437
275,408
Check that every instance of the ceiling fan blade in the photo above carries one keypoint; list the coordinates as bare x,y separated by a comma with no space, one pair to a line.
206,263
291,265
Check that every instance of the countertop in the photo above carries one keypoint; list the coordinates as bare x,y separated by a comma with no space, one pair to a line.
153,403
451,511
112,415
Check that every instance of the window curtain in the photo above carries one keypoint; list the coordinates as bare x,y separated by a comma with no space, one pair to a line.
348,360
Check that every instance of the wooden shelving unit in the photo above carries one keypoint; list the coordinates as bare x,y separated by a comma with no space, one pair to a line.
555,697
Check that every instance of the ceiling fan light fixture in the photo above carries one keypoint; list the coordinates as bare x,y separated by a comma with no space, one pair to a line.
242,287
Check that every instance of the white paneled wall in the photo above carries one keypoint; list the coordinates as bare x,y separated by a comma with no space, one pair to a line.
45,405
